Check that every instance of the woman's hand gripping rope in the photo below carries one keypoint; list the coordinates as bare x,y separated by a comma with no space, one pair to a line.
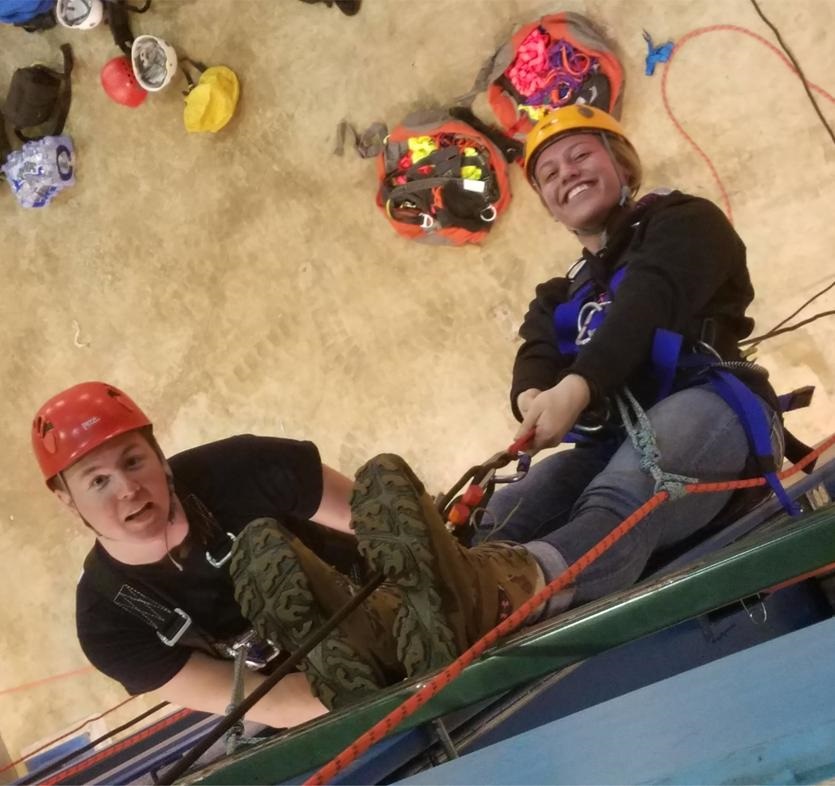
553,412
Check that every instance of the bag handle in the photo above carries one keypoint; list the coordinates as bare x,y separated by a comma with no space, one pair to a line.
119,22
512,149
5,145
201,67
65,99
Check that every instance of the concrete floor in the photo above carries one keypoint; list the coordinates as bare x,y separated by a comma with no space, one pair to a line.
246,282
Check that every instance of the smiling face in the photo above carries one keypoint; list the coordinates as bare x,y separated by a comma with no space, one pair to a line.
121,490
579,182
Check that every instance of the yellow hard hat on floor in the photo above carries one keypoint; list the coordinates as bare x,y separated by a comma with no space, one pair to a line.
569,119
211,104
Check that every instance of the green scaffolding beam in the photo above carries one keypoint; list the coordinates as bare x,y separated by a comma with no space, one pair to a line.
791,548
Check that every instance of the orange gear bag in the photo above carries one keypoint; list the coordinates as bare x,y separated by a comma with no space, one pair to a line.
441,181
560,59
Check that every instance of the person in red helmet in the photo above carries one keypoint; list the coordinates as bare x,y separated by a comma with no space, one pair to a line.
190,552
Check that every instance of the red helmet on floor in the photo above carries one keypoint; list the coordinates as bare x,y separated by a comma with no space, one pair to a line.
119,82
78,420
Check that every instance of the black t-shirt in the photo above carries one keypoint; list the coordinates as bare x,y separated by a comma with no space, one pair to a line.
236,480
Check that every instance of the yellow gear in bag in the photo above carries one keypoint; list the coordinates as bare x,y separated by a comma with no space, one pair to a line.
210,104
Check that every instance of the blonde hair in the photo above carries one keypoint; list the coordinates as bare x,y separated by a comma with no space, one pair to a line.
626,156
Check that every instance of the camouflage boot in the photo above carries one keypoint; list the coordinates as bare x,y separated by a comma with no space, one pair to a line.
287,592
451,596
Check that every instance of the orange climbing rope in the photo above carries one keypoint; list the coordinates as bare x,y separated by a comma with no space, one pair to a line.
515,620
678,46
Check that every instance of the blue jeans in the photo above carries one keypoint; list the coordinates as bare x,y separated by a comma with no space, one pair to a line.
573,498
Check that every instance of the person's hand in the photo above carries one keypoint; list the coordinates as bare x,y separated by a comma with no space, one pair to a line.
525,399
553,412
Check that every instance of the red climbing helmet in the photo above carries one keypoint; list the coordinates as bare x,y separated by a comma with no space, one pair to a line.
119,82
78,420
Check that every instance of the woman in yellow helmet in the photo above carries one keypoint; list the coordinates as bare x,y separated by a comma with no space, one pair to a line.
667,273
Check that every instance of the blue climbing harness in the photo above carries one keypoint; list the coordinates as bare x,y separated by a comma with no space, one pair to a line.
576,321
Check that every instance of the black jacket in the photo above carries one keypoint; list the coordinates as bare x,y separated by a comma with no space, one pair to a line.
685,265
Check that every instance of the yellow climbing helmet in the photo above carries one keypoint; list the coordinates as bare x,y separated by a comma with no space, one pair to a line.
211,103
569,119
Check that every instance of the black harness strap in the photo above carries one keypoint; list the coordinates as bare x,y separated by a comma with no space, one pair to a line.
172,624
5,144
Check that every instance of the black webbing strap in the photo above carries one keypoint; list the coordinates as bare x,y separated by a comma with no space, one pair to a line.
795,449
512,149
119,22
172,624
5,143
66,91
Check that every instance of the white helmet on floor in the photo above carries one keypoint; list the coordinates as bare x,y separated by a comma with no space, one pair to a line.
79,14
154,62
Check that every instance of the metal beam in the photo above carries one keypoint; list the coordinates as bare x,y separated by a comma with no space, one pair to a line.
790,548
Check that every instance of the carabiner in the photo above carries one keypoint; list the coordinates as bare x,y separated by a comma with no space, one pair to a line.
488,215
587,313
522,468
426,222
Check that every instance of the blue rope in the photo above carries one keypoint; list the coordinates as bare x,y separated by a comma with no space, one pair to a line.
641,433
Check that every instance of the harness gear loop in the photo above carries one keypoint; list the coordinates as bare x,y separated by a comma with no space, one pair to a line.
642,435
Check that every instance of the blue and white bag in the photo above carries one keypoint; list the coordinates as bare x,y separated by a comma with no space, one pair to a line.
40,170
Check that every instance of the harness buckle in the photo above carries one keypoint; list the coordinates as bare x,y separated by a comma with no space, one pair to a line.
259,652
221,561
185,624
522,468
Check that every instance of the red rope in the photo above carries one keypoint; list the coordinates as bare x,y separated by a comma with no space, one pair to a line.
507,626
44,680
679,44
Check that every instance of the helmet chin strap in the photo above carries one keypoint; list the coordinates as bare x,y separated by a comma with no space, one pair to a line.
625,190
172,497
623,199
